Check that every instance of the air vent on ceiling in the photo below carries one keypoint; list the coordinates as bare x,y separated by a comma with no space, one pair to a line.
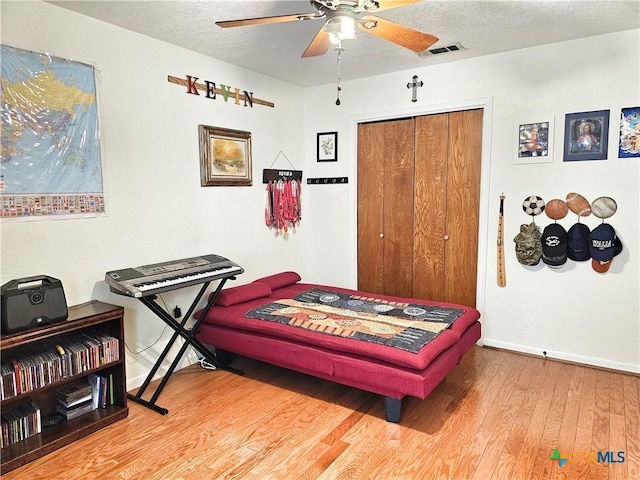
454,47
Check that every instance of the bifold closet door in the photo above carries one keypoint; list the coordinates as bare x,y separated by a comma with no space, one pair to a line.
448,161
430,214
418,200
463,206
385,206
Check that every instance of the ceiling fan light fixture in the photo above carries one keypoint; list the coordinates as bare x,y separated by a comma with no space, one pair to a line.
340,27
371,6
368,24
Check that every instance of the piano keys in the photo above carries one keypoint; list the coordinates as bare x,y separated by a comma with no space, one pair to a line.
162,277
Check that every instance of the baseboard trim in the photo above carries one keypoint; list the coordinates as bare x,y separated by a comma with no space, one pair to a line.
188,359
563,356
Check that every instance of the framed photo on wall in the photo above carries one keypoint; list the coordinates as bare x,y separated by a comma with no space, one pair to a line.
535,142
586,136
225,156
629,144
327,147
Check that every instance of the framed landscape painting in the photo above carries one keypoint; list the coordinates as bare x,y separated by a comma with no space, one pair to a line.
225,157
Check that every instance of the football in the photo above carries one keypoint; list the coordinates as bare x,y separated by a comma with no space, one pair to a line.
556,209
604,207
533,205
578,204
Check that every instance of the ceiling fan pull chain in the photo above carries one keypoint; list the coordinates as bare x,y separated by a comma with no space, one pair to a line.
339,49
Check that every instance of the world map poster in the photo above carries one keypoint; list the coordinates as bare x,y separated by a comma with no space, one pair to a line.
50,159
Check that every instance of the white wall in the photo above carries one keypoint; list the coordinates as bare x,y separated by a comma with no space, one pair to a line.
571,313
157,210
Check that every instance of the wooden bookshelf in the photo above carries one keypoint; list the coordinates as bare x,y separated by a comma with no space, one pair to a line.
93,317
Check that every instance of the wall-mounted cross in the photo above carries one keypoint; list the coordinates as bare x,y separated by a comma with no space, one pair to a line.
415,84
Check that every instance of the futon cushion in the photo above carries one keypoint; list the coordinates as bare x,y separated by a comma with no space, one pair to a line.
280,280
242,293
233,318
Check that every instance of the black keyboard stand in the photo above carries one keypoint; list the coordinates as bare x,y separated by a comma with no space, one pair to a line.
179,331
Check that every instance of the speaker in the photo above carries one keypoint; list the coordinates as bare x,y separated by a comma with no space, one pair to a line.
32,301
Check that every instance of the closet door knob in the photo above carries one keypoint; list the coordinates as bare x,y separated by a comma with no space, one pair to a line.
381,235
446,237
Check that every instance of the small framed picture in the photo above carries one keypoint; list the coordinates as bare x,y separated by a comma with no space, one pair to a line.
535,142
586,136
225,157
327,147
629,144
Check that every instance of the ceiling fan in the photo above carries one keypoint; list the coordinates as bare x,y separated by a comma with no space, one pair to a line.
342,16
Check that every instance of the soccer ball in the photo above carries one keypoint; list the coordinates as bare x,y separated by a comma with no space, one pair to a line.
533,205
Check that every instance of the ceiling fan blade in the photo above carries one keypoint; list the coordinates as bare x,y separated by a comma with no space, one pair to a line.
319,45
268,20
389,4
399,34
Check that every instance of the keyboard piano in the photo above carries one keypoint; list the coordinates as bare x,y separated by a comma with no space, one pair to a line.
161,277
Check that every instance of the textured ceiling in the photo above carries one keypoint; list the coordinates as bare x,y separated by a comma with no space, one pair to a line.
483,27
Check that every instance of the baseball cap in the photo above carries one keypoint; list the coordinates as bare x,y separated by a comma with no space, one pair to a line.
528,248
554,245
603,246
578,242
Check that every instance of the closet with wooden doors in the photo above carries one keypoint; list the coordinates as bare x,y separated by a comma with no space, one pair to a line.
418,206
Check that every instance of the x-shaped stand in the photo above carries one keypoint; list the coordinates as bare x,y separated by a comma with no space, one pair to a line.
180,330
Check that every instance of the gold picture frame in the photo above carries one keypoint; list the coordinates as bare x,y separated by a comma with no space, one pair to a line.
225,157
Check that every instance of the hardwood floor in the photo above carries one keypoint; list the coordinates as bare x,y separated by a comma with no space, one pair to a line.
498,415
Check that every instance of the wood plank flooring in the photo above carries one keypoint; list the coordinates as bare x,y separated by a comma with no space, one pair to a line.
498,415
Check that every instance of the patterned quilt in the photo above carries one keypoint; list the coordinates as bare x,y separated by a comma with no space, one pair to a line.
404,326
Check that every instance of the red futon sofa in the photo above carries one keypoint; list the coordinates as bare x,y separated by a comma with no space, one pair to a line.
387,345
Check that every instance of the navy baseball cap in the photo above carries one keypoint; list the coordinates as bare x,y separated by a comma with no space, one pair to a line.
603,246
578,242
554,245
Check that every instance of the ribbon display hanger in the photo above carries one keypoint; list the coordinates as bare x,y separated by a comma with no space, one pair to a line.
282,209
273,175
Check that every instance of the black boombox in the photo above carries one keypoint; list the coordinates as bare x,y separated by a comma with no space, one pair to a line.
32,301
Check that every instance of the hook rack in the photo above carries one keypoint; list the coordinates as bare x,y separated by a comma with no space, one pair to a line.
327,180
